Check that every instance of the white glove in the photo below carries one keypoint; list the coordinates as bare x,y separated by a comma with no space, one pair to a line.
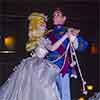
72,37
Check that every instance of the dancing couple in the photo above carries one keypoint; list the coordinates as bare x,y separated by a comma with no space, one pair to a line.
45,74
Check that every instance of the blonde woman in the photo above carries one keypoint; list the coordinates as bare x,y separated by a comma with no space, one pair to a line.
34,77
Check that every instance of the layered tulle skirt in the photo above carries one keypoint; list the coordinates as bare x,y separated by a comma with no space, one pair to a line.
32,79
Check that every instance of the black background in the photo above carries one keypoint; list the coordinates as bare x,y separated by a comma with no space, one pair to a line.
84,15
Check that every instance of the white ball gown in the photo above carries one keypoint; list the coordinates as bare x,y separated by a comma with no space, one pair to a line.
33,78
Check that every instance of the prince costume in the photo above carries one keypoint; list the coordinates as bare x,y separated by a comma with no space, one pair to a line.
58,58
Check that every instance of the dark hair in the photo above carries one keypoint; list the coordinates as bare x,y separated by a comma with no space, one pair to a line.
60,10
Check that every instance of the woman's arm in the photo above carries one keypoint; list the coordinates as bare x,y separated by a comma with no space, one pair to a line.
71,35
58,43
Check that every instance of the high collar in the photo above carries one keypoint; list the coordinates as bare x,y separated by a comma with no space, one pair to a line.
59,28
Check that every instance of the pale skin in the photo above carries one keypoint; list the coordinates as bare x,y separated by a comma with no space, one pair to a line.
64,37
42,28
57,19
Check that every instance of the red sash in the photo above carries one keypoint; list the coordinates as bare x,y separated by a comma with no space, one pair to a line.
61,50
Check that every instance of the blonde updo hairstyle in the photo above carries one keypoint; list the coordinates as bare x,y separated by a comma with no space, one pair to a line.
34,33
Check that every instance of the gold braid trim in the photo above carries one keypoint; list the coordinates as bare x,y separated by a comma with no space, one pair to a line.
48,31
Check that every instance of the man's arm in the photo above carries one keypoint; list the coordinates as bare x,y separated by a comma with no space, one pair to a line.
78,41
82,44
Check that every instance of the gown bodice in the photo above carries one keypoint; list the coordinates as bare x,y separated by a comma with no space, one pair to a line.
41,50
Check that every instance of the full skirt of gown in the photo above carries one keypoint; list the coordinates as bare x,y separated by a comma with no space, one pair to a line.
32,79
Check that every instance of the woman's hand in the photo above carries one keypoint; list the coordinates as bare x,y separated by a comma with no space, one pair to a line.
73,31
72,34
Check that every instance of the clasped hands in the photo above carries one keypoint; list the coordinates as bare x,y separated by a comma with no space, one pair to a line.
72,33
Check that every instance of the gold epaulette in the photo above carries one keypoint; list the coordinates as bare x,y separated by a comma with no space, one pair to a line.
48,31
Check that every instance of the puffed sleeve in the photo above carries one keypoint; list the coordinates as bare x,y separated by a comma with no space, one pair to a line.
45,42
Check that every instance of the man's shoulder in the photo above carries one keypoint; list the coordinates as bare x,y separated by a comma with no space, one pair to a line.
65,28
49,31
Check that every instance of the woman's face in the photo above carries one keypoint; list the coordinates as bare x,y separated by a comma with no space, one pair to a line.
41,25
37,28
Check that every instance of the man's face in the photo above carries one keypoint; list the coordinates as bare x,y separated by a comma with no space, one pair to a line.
58,18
